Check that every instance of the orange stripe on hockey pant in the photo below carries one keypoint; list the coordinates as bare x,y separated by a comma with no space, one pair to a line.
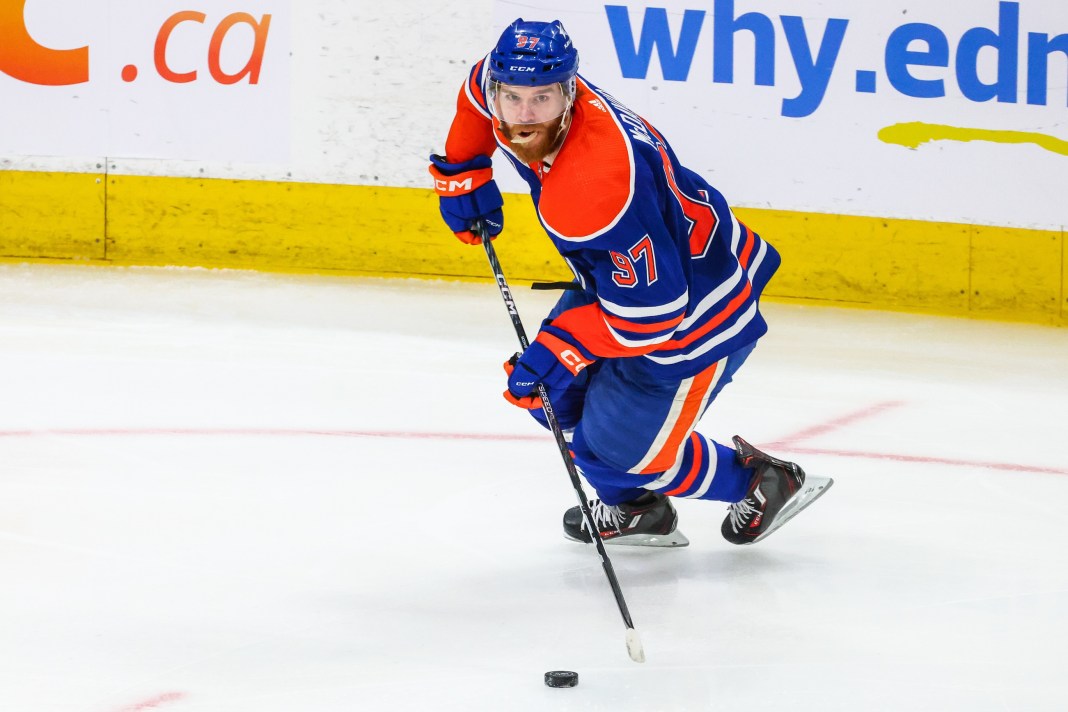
695,469
686,422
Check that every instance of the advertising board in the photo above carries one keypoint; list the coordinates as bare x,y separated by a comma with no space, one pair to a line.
952,111
200,80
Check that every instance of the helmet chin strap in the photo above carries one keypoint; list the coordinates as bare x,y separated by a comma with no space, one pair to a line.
565,124
561,131
570,97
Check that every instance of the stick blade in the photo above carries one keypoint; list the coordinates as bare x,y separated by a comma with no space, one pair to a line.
634,646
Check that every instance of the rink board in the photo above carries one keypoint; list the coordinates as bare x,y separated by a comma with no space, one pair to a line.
947,268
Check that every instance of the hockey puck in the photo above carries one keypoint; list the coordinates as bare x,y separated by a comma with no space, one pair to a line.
561,678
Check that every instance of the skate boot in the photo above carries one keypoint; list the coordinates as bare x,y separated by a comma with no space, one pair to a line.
776,494
649,520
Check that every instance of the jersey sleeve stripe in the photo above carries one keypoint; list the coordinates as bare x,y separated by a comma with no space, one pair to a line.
762,251
641,312
666,326
732,306
747,251
714,297
736,232
637,343
733,300
718,339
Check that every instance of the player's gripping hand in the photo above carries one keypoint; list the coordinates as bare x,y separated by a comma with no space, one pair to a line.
466,193
553,359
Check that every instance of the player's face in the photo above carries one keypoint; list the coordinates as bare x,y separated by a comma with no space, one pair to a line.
531,117
528,105
534,142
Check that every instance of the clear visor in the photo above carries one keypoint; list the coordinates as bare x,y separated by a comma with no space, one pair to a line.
519,105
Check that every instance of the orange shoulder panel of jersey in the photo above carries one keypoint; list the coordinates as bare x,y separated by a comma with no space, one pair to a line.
592,180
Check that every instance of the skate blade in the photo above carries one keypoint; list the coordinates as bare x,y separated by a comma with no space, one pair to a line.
813,489
674,540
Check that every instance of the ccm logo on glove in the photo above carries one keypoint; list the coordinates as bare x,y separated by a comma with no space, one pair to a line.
572,360
551,360
448,186
468,194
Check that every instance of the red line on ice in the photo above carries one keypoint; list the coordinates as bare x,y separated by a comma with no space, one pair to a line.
836,423
785,444
924,459
265,432
788,444
153,703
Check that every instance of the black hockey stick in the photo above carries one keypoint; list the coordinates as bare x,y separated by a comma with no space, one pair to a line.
634,643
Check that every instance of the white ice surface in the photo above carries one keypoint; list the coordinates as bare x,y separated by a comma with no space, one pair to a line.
225,491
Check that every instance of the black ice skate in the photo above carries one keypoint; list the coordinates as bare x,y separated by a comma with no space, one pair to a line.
778,492
649,520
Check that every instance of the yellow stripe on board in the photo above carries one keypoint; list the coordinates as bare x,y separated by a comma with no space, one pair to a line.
51,215
915,133
912,265
306,228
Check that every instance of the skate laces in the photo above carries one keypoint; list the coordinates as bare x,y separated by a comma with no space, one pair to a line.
604,515
740,513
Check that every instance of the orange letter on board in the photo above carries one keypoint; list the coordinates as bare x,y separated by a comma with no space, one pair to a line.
252,68
161,45
22,58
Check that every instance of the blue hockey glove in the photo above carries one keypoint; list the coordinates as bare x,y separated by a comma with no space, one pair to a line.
466,193
553,359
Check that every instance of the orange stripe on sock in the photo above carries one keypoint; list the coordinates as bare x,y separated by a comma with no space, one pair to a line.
695,468
687,420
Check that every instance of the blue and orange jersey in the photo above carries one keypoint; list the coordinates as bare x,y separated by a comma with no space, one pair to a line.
671,274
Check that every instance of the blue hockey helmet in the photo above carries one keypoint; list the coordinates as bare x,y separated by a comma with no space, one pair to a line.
530,59
533,54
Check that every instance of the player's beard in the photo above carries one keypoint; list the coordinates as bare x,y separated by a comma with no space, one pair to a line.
546,137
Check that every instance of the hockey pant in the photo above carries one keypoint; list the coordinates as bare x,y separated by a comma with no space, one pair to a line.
632,431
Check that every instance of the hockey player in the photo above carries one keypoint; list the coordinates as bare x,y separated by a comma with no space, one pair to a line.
664,309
